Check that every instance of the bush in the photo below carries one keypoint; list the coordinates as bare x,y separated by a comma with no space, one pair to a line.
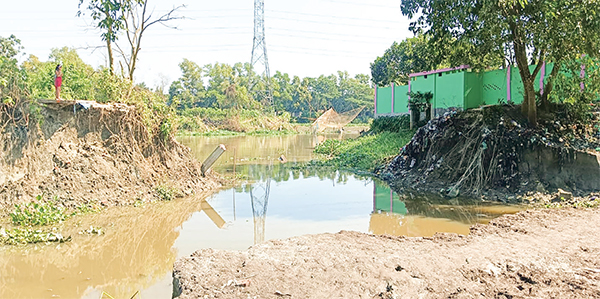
394,124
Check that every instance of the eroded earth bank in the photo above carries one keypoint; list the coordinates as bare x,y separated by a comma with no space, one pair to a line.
550,253
90,154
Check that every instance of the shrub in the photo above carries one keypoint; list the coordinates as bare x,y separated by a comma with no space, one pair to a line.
394,124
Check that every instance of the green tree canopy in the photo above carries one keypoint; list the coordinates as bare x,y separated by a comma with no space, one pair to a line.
411,55
12,79
188,91
224,86
523,31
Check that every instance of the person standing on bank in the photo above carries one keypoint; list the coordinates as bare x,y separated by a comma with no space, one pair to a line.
58,81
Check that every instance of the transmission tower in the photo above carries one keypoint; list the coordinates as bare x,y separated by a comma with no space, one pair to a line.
259,53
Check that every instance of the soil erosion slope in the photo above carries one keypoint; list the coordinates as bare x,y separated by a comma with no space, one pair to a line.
532,254
92,154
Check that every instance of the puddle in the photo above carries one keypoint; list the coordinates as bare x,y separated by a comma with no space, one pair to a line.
137,252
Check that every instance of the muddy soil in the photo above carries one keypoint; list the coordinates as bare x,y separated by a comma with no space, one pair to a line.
551,253
101,156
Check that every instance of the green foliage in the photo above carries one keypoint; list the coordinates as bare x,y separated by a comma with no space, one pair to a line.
80,81
12,78
108,14
213,119
394,124
17,236
567,88
363,153
420,101
38,213
224,87
517,31
165,192
412,55
188,91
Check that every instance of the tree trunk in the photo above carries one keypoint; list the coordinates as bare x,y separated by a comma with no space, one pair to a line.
109,39
528,107
110,57
549,86
531,104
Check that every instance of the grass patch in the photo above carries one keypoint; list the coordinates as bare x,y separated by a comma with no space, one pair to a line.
363,153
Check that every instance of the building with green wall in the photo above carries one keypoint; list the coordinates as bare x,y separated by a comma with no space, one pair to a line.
457,88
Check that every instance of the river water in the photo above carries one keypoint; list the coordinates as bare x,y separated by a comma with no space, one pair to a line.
272,200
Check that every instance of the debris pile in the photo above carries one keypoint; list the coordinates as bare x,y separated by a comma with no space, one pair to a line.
492,149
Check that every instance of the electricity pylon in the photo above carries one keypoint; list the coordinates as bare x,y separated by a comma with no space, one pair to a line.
259,55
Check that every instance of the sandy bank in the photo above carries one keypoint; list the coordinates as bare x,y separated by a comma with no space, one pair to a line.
550,253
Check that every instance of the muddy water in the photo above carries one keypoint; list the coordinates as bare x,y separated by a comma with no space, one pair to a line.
274,200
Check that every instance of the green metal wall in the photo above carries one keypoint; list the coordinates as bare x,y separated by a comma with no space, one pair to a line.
473,90
493,87
384,100
462,89
449,90
423,84
400,99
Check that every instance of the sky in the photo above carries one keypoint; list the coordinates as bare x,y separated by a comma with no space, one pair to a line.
303,38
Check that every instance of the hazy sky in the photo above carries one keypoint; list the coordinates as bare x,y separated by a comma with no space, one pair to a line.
304,38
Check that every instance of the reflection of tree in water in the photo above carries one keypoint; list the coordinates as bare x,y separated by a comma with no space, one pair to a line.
285,172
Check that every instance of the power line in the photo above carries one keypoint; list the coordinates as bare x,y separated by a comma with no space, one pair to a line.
322,50
325,38
327,33
332,23
362,4
329,16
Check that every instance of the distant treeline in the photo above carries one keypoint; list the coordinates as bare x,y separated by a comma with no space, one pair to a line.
224,86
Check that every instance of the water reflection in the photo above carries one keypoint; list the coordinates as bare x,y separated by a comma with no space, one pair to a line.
136,252
259,198
427,215
140,245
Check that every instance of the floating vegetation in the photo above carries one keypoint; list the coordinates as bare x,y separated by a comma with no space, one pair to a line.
92,231
363,153
165,192
18,236
30,219
88,208
38,213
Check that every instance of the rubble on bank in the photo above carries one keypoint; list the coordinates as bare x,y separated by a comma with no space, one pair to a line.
492,153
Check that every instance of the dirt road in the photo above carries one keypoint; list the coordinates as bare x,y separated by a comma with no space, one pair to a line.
552,253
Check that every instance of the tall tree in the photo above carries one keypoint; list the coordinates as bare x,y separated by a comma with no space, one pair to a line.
188,91
535,31
12,78
109,15
136,20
